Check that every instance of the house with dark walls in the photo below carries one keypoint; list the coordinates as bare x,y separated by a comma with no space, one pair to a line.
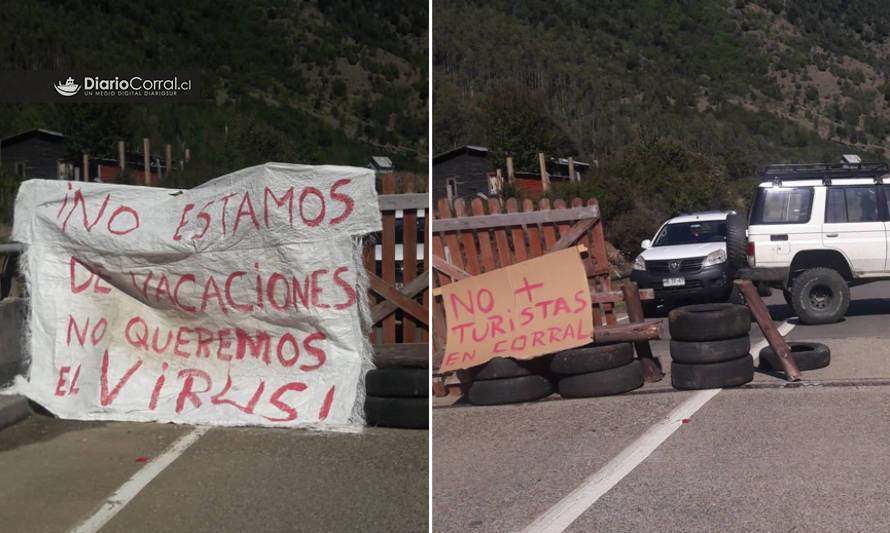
42,154
463,173
470,172
36,153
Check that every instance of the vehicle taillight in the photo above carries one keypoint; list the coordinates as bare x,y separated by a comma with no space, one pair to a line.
751,252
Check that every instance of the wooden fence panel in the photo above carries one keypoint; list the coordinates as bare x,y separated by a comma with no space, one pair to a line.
505,255
388,259
534,235
469,243
400,291
409,253
481,247
516,233
485,250
427,263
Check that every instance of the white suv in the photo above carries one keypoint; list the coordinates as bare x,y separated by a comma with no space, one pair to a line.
816,229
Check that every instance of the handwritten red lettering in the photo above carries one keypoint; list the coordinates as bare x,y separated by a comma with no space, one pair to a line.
188,388
342,198
134,221
311,222
159,384
288,197
106,397
316,352
182,221
246,409
275,400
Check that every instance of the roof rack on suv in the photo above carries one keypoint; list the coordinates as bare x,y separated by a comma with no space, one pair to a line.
824,171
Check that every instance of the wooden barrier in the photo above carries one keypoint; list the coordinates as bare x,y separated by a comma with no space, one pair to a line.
397,262
490,234
769,329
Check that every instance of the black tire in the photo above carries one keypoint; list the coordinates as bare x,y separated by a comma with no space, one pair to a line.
709,322
807,355
604,383
507,367
786,293
764,290
706,352
735,296
399,382
736,241
713,376
820,296
592,358
412,355
408,413
509,390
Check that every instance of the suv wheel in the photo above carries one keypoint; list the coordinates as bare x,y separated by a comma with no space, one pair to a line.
786,293
820,296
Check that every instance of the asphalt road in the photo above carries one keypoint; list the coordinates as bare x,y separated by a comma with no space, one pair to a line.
57,473
766,457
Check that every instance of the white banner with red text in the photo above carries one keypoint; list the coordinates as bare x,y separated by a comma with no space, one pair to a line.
238,302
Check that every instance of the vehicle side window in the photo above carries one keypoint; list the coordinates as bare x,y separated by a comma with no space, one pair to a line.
886,189
835,206
852,204
782,205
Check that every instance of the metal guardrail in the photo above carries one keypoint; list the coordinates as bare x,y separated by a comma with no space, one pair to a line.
10,248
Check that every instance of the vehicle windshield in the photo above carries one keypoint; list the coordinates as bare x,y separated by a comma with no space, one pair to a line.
691,233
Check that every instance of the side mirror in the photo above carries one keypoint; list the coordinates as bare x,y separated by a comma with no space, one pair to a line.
645,245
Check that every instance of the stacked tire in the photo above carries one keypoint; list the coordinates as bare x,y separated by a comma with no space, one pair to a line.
592,370
710,346
506,380
397,397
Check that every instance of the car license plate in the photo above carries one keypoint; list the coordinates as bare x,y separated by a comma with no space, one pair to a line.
674,282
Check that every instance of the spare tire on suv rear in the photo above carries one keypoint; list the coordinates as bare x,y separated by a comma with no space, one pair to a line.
736,241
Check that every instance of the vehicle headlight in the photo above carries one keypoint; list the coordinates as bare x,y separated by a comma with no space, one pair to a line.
715,258
639,263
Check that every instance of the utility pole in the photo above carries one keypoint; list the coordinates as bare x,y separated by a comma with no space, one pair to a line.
168,153
146,160
545,178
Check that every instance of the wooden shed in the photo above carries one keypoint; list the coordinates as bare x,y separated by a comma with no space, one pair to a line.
36,153
463,173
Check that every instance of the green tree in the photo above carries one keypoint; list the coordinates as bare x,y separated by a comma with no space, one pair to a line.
94,128
514,120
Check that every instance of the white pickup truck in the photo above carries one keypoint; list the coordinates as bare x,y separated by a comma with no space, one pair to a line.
815,230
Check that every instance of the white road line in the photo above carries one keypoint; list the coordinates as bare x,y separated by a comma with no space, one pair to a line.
560,516
140,479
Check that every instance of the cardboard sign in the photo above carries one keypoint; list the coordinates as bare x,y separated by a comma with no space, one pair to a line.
235,303
532,308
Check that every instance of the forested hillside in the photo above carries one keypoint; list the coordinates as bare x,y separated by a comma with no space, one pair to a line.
667,96
285,80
